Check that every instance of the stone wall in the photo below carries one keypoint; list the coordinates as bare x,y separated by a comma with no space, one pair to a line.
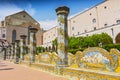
19,18
19,31
22,31
20,22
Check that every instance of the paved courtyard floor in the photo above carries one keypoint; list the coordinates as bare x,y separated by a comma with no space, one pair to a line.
10,71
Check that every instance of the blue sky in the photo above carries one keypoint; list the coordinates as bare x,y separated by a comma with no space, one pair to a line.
44,10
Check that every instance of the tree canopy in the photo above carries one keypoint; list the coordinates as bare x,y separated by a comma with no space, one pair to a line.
80,43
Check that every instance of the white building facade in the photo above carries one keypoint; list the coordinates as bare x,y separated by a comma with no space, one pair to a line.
49,36
2,30
104,17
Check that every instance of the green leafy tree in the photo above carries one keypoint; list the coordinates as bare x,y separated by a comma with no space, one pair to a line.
88,42
54,44
102,38
106,39
96,38
73,42
80,43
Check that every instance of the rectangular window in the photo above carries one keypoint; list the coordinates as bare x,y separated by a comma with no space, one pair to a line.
78,33
94,28
118,21
105,24
4,30
3,35
2,22
85,31
73,21
72,28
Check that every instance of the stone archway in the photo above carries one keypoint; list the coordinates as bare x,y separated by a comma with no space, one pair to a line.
117,39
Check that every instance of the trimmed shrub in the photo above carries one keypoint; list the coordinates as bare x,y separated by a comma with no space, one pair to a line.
40,49
73,51
110,46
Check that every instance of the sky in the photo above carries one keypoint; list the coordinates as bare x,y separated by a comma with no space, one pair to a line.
43,11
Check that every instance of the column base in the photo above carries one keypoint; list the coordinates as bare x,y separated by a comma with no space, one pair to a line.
16,60
59,68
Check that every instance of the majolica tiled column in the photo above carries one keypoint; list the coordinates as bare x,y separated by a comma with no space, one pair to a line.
9,51
33,32
6,53
23,45
62,13
16,51
12,50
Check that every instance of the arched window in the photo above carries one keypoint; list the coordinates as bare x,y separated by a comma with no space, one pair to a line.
29,34
13,35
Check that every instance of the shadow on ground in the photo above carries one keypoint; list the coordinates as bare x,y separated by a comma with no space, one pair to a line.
3,65
6,69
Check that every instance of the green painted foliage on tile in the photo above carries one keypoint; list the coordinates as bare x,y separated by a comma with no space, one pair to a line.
61,19
61,46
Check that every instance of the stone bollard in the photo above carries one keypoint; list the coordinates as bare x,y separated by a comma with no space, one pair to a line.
16,56
62,43
23,45
32,53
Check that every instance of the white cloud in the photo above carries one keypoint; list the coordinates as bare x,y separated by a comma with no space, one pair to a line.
8,9
48,24
30,9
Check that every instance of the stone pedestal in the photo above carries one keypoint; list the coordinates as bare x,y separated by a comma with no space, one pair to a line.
16,56
32,53
23,45
62,43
